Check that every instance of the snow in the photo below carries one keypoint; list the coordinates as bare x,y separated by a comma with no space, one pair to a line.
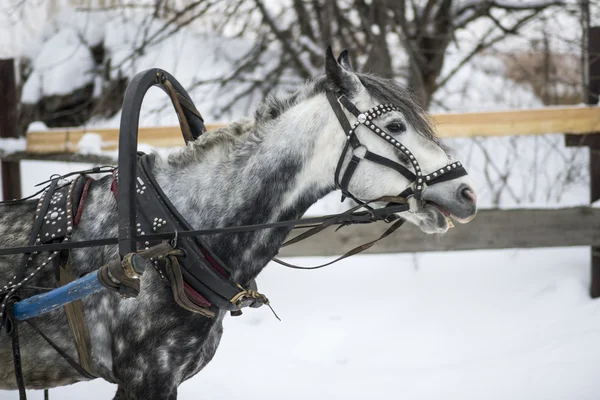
63,65
12,145
475,325
37,126
90,143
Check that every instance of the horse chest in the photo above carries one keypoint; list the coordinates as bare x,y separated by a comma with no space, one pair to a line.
150,334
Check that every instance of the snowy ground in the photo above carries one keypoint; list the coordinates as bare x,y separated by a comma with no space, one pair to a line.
513,324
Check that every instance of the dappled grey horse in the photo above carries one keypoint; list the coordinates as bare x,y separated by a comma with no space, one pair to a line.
271,168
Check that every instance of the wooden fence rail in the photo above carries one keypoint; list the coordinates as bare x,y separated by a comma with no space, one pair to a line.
575,120
491,229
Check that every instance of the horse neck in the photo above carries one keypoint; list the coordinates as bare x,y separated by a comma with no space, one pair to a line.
283,167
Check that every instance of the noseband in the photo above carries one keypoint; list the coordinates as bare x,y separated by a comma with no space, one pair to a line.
418,181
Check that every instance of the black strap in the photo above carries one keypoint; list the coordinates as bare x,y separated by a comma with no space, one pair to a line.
350,169
338,169
374,215
448,175
386,162
104,169
16,352
354,251
313,231
339,113
60,351
348,105
37,225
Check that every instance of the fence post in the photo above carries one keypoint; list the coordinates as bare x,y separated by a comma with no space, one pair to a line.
593,91
9,128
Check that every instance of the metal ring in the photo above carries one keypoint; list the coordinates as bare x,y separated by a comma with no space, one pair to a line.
174,240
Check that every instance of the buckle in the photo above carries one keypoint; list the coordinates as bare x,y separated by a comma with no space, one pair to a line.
249,298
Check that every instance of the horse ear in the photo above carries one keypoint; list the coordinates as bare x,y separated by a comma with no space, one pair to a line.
344,60
342,79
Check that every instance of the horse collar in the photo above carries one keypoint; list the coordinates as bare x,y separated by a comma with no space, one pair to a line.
200,281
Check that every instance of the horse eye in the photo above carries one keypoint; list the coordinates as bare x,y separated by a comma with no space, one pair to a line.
396,127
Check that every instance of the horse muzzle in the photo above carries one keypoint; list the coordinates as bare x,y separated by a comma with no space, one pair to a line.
458,202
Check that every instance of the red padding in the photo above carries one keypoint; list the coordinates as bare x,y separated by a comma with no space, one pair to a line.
84,194
195,296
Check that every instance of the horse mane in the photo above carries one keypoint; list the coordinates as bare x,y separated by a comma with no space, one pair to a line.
381,89
273,106
226,137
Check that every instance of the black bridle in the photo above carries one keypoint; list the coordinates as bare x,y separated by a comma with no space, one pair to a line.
417,181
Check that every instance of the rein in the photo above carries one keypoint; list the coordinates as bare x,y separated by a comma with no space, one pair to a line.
345,218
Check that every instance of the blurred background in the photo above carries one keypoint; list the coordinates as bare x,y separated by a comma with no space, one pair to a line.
492,324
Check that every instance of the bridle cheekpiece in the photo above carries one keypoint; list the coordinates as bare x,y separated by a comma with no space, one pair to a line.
418,181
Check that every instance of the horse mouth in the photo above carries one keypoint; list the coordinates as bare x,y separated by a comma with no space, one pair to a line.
436,218
449,216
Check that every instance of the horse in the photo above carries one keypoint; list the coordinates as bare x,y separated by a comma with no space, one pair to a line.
270,168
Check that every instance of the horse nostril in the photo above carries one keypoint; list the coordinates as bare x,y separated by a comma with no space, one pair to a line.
468,194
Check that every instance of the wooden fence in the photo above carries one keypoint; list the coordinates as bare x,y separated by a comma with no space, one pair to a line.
491,229
575,120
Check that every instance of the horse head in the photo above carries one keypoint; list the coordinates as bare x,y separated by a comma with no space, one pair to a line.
391,149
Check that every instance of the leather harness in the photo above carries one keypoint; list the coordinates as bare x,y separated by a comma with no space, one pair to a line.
200,281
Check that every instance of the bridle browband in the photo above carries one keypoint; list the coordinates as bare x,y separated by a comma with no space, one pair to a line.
418,181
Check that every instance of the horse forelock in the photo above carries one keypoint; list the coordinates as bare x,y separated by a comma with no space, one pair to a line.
389,91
